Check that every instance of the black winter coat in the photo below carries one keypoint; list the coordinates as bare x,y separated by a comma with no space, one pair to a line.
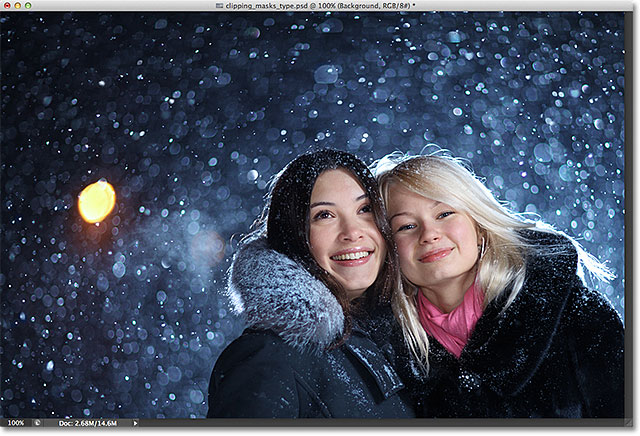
280,367
556,352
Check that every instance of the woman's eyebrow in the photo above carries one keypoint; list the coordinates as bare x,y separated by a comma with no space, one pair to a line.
321,203
396,215
328,203
406,213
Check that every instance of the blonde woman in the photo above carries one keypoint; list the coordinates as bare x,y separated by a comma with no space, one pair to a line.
494,312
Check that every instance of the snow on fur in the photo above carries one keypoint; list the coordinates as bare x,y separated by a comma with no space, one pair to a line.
278,294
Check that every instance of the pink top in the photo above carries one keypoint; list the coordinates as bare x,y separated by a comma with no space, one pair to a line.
452,329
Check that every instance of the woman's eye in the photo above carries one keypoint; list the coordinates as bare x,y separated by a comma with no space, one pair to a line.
405,227
366,208
446,214
323,214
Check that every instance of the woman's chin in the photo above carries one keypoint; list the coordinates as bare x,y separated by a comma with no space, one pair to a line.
355,293
356,287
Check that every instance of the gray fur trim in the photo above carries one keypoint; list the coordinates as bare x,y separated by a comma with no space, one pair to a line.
278,294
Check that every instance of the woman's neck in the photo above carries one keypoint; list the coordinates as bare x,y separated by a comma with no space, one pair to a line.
449,295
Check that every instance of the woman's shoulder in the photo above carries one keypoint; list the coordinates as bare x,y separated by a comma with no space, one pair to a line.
276,293
257,347
551,276
590,309
253,338
551,255
254,377
553,281
548,240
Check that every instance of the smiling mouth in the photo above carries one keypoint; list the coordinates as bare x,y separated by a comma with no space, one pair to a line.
352,256
436,255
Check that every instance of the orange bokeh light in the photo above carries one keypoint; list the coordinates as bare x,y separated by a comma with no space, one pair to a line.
96,201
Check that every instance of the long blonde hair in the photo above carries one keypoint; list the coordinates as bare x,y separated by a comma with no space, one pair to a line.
502,267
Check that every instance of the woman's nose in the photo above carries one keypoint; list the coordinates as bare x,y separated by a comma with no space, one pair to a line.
350,231
429,234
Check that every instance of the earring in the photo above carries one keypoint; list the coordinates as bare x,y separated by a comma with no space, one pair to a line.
482,249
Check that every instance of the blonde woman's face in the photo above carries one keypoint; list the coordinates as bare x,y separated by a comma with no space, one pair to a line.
437,245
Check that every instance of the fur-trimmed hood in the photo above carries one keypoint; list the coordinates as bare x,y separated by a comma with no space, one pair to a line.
275,293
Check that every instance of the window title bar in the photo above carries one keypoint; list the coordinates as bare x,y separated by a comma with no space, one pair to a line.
312,6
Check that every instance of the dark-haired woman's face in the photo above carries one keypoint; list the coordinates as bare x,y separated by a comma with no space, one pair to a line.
344,238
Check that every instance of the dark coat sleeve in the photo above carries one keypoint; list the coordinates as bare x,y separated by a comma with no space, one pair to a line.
252,379
598,353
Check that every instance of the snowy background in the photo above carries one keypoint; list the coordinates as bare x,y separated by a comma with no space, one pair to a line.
189,115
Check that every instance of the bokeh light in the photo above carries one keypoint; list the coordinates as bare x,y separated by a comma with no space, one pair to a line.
207,248
96,201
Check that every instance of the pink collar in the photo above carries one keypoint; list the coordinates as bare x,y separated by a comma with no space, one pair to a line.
452,329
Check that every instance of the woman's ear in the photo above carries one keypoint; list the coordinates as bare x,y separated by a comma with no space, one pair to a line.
480,233
482,242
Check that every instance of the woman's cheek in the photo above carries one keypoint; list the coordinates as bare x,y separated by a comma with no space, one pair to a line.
403,249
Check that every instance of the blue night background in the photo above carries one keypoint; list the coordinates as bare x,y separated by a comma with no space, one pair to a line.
188,116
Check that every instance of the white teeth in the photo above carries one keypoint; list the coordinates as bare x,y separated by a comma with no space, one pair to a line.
351,256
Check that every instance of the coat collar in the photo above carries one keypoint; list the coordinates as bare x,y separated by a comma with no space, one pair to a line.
507,347
276,293
370,356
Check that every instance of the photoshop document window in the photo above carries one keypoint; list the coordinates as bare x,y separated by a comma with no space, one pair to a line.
314,214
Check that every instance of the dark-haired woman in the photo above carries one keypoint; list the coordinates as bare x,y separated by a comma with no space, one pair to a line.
308,283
